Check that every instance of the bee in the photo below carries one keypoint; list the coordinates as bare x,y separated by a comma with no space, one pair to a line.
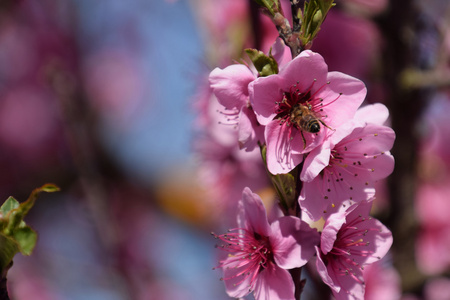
305,119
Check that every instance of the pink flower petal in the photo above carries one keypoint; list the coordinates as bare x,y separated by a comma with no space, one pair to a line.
264,92
250,131
341,98
236,285
332,226
230,85
323,272
281,157
352,285
376,113
315,162
281,53
308,68
274,283
252,214
292,242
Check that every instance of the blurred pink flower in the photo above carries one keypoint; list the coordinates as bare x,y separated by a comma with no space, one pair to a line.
287,101
432,249
261,252
28,120
350,240
437,289
348,44
433,240
382,282
224,170
113,81
29,283
432,204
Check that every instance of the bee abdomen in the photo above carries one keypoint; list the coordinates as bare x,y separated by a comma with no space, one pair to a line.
313,126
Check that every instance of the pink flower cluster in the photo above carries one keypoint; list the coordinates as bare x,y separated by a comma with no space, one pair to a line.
310,122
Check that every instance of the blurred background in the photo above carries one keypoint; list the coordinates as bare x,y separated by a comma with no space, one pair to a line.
109,100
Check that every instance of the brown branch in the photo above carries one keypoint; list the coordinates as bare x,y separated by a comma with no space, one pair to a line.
3,286
406,107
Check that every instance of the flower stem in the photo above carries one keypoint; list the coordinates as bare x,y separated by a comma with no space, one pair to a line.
298,283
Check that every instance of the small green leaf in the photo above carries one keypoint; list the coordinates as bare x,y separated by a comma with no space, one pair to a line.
284,184
8,205
15,235
15,219
26,239
314,13
265,65
49,188
272,6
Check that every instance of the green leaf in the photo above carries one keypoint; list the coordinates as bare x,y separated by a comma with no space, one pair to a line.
9,205
26,239
284,184
49,188
314,13
15,235
272,6
265,65
8,248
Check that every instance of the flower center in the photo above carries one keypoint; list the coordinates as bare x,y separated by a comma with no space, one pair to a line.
296,108
350,243
249,254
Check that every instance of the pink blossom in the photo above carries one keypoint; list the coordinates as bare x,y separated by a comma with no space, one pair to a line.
350,240
437,289
349,44
345,168
432,249
230,86
433,240
382,282
303,88
260,253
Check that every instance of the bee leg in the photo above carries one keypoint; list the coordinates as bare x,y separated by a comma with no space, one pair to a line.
323,123
304,140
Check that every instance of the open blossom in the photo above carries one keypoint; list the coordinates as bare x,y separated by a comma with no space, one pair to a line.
345,168
350,240
230,86
301,106
260,253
